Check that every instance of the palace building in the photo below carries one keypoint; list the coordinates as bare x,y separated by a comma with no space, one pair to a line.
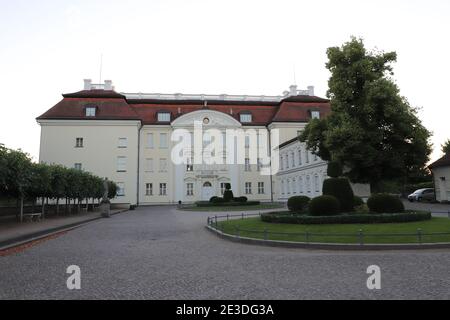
127,138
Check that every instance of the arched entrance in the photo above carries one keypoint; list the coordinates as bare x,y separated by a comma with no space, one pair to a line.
207,191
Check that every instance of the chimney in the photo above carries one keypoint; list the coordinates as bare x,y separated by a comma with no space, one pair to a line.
311,90
293,90
87,84
108,85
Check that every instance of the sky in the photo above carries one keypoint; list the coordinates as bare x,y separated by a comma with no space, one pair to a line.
237,47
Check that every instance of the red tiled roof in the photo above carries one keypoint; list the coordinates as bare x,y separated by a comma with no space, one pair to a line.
107,109
114,106
442,162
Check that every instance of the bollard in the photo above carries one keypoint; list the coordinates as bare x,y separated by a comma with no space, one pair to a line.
307,237
419,235
207,221
361,237
216,222
238,232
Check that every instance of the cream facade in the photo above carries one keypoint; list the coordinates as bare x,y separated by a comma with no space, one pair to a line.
127,138
302,173
441,177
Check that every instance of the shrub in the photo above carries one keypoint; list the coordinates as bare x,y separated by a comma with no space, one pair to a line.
334,169
241,199
213,199
228,194
283,217
218,200
221,203
357,201
340,189
298,203
324,206
385,203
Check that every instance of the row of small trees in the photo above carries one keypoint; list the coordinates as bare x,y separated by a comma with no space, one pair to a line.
22,179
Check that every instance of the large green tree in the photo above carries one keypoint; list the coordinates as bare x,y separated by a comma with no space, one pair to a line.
446,147
372,130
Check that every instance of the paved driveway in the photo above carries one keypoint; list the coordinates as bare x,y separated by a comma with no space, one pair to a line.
162,253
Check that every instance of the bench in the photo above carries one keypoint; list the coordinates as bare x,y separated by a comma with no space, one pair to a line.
32,216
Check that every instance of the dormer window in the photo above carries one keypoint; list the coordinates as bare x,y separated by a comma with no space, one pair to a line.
90,111
246,117
163,116
315,114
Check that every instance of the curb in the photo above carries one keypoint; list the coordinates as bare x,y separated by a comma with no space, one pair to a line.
21,240
327,246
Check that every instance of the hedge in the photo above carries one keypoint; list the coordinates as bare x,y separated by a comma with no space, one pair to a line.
385,203
298,203
324,205
205,204
354,218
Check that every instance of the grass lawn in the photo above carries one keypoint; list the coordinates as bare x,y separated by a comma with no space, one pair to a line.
262,206
342,233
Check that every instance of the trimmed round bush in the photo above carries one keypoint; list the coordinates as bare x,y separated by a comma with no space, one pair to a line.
228,195
324,206
298,203
357,201
334,169
241,199
213,199
340,189
385,203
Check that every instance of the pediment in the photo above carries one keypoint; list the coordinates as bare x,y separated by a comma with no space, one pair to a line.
208,118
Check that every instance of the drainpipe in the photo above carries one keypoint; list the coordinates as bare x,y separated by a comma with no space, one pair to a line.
138,163
270,157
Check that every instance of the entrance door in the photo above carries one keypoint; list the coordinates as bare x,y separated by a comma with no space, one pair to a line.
207,191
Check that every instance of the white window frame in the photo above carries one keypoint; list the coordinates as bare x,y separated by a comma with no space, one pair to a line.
164,117
261,188
120,189
315,114
149,189
91,111
163,189
123,143
78,166
121,164
246,117
150,141
149,163
190,189
248,188
162,165
79,142
163,141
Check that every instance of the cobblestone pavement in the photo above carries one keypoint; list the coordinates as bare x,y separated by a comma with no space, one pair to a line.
162,253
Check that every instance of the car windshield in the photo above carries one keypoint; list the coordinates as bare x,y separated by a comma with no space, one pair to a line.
419,191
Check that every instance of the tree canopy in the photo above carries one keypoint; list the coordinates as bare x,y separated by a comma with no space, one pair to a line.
446,147
372,130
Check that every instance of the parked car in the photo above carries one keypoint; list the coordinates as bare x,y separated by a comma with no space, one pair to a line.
422,194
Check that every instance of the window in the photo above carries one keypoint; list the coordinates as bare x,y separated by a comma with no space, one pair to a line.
189,165
247,164
259,164
288,186
293,160
123,142
248,188
246,117
247,142
163,189
149,189
294,186
149,165
308,184
90,111
282,187
120,189
260,187
150,140
282,163
300,185
316,183
163,140
306,156
121,164
222,187
163,116
315,114
299,157
190,189
287,161
162,165
79,143
78,166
